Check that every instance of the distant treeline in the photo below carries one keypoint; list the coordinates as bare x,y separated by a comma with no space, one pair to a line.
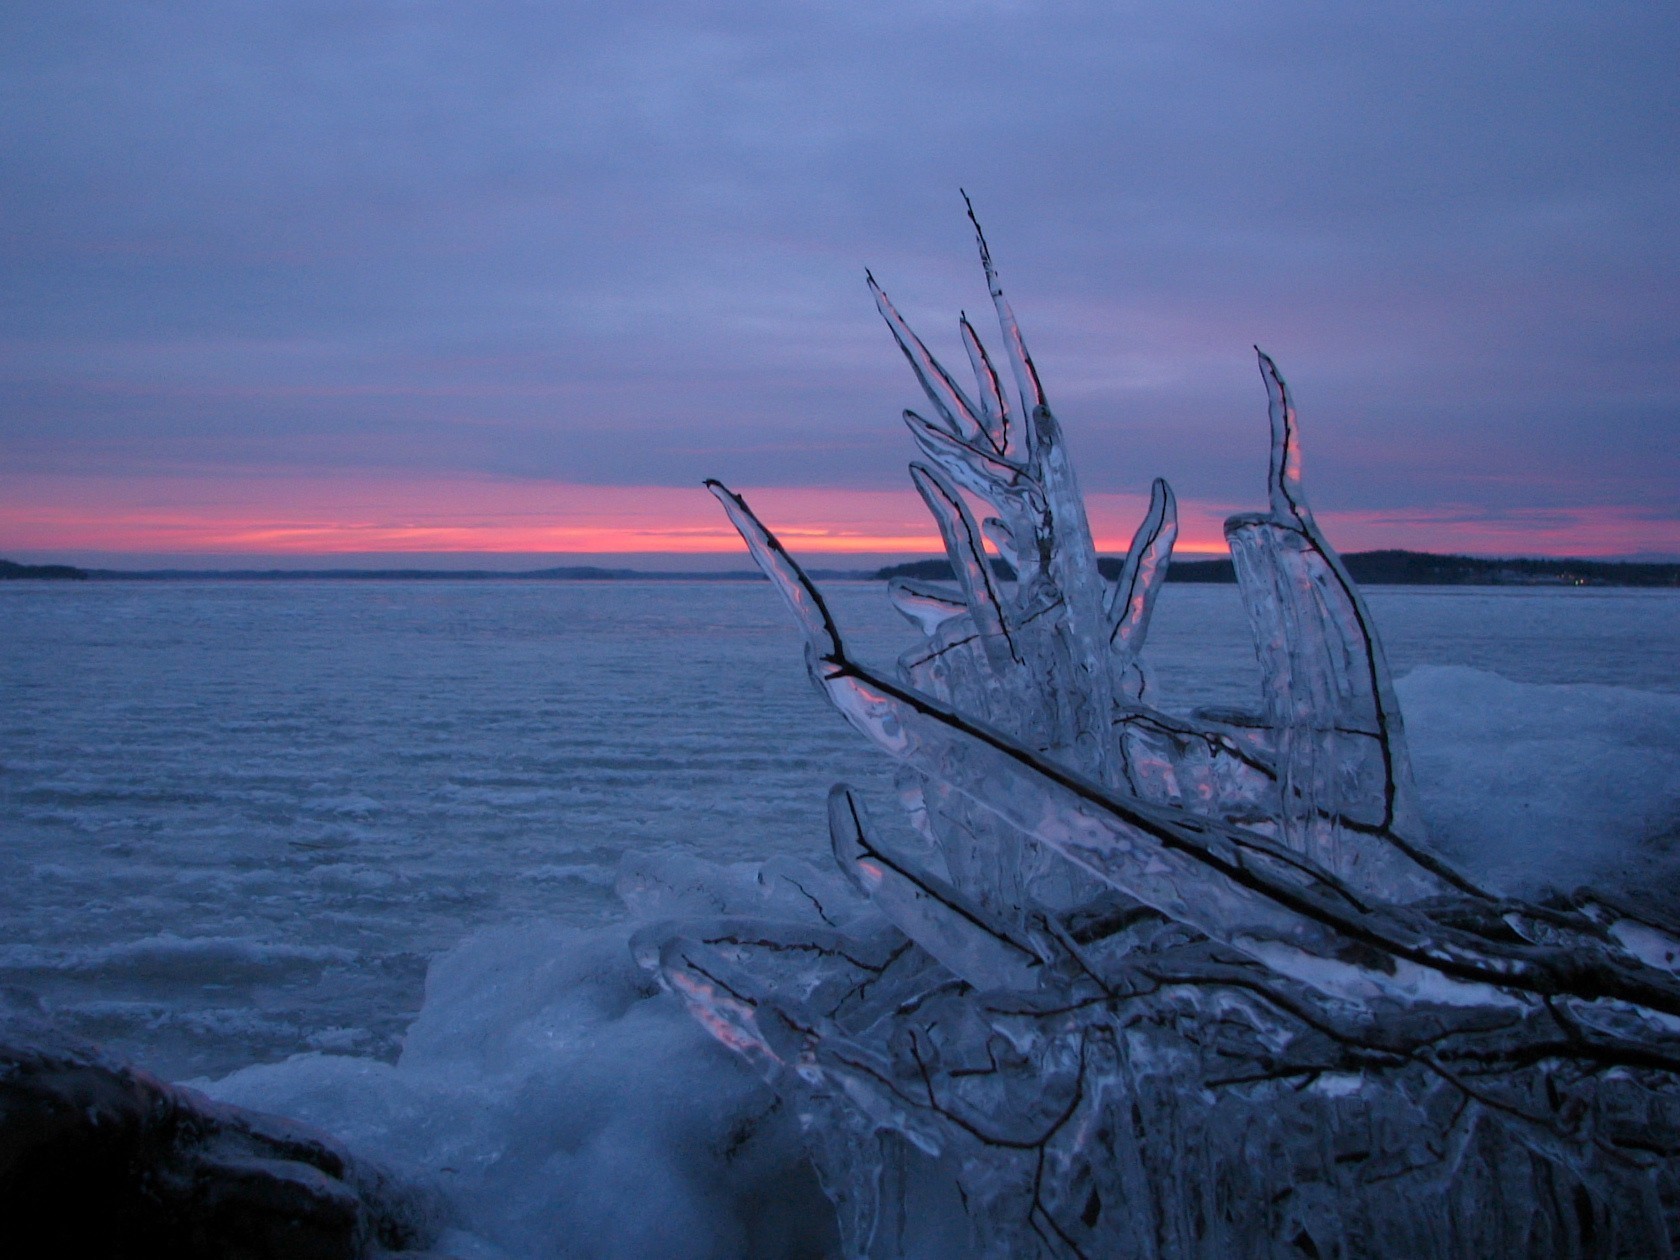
568,573
577,573
1373,568
1383,568
61,572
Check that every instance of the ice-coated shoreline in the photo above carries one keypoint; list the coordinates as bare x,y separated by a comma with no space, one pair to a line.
1548,785
564,1107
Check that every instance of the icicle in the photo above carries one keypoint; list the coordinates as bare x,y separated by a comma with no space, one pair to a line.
952,405
926,606
925,908
994,407
968,559
1133,597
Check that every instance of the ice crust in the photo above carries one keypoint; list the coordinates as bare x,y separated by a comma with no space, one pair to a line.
1545,785
1137,983
562,1108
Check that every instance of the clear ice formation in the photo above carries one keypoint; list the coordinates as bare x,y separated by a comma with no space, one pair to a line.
1136,984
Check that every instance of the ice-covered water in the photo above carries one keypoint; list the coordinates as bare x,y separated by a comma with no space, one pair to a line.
237,821
240,818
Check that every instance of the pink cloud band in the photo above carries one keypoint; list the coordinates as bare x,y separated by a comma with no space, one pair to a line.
291,515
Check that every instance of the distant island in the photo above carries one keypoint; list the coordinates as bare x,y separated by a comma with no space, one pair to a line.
1384,568
568,573
51,572
1370,568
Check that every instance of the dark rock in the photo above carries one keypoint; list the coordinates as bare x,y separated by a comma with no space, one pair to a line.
101,1159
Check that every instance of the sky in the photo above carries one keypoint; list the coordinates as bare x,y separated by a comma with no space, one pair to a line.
494,283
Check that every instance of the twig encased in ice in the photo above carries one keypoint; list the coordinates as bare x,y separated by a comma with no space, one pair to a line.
1168,986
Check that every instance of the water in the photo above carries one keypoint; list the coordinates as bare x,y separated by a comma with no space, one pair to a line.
237,820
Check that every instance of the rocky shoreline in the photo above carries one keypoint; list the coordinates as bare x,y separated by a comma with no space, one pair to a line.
100,1158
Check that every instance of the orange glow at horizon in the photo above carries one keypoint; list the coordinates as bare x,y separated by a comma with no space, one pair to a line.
299,516
324,516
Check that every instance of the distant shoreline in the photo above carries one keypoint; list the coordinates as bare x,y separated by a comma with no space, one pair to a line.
567,573
1393,568
1370,568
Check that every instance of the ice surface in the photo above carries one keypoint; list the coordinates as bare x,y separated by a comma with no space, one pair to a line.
202,761
151,895
1143,982
560,1109
238,819
1548,787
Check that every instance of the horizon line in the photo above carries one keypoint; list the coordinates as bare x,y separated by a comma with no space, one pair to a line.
486,563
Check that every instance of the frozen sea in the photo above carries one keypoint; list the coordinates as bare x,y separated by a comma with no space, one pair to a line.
239,821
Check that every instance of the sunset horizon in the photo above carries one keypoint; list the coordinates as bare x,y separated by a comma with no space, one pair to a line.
514,523
987,627
419,283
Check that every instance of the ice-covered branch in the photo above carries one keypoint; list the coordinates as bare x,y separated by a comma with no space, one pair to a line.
1153,984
